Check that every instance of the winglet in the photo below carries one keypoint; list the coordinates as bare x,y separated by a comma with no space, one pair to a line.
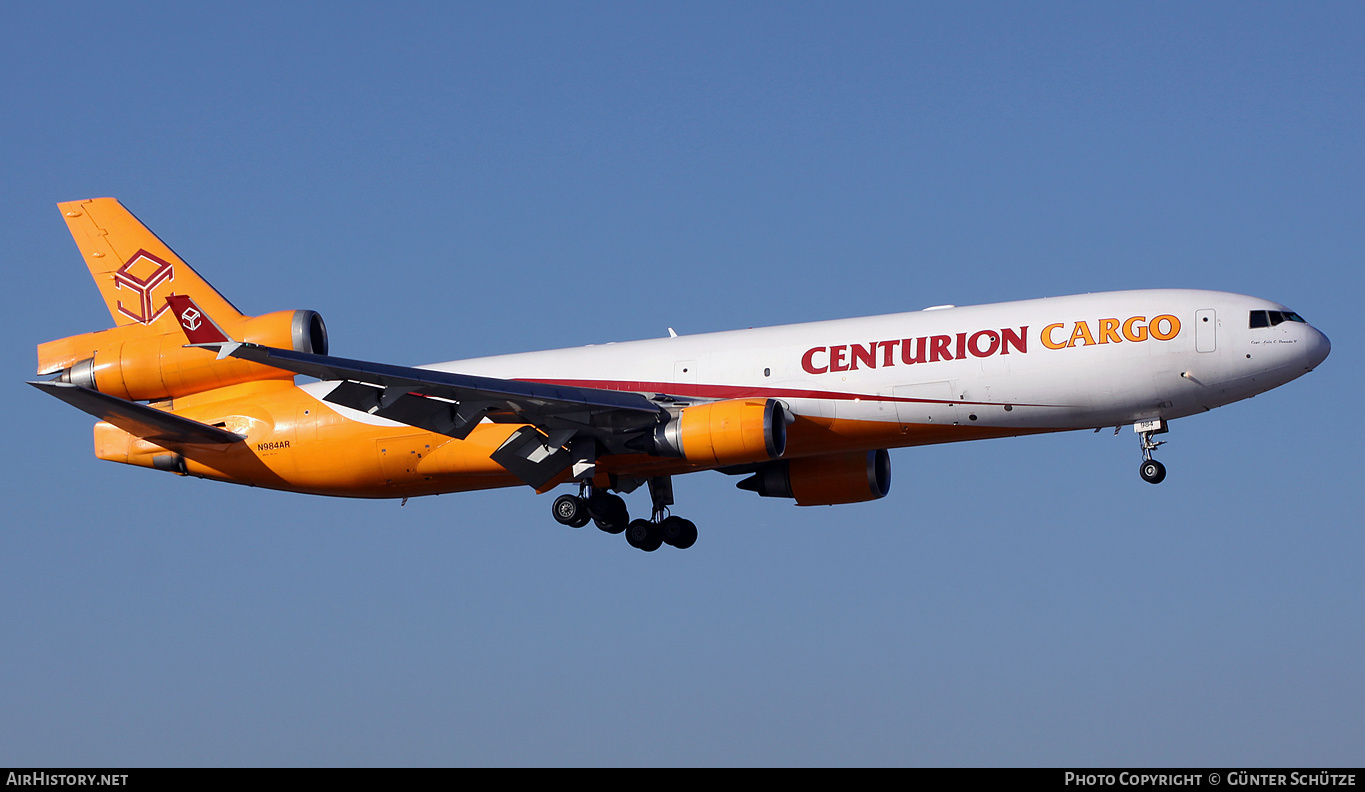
200,329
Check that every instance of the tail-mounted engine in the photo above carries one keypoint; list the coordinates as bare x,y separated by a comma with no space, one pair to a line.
824,480
731,432
140,363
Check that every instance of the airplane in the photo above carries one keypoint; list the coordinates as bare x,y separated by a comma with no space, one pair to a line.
186,383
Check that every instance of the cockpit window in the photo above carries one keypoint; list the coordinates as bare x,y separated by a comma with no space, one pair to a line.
1272,318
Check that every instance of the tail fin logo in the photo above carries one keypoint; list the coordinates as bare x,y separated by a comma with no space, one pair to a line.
142,275
199,327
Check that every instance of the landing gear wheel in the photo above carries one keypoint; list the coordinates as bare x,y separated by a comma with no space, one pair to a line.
570,510
644,535
678,532
609,512
1152,471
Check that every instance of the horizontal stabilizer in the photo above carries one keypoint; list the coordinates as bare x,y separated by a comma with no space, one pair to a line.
149,423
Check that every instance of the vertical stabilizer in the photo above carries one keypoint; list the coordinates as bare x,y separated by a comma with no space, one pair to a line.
133,269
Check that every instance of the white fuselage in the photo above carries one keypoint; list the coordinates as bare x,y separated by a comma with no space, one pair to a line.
1056,363
1053,364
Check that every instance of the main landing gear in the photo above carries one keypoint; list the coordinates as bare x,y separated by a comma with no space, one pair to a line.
1152,471
649,535
593,505
609,512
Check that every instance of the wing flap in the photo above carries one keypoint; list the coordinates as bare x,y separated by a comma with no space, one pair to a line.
453,419
533,457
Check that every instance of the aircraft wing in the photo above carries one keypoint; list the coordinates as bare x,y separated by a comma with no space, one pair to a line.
149,423
438,401
452,404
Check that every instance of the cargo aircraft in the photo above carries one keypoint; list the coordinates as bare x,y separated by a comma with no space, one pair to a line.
186,383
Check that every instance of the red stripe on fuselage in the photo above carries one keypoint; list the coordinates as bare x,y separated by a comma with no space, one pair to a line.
743,391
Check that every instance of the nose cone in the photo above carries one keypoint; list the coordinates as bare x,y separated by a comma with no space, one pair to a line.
1318,348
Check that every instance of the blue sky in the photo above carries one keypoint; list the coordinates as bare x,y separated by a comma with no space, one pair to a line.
445,180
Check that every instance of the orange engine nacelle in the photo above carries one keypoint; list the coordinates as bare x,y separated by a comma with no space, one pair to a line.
826,480
134,362
732,432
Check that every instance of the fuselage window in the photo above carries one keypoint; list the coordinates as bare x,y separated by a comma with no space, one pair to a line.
1259,319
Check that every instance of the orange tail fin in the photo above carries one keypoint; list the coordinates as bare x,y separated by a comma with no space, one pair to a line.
134,270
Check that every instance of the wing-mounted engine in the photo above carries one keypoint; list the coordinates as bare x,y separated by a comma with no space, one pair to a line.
825,480
730,432
150,362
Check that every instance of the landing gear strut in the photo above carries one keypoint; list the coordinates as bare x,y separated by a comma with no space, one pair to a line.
662,527
1152,471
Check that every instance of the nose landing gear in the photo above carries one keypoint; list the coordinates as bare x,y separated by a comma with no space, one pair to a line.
1152,471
